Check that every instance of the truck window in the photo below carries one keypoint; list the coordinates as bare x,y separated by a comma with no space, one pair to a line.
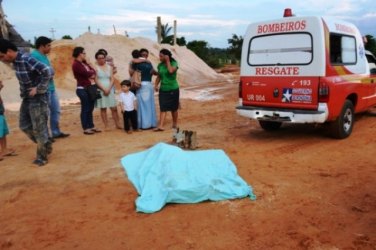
280,49
342,49
371,62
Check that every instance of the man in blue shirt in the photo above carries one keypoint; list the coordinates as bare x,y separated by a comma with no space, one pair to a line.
43,47
33,77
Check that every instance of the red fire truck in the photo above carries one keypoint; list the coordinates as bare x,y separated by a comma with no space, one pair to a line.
305,70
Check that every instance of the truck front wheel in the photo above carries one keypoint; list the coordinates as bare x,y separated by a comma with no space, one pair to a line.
342,127
270,126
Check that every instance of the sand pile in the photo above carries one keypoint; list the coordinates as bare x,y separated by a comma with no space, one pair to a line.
192,70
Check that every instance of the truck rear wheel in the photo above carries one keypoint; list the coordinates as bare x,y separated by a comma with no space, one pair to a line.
342,127
270,126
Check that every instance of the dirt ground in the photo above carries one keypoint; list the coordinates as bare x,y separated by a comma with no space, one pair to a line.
313,192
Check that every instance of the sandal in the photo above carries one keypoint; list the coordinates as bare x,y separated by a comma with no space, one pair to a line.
95,130
10,153
89,132
158,129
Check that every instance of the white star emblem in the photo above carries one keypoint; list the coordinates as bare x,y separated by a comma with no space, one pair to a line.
286,96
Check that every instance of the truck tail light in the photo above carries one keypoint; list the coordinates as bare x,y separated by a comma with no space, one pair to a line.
323,92
240,89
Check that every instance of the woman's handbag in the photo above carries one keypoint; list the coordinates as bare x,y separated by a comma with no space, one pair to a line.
136,80
93,92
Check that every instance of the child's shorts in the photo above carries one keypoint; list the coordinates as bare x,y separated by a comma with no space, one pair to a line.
3,126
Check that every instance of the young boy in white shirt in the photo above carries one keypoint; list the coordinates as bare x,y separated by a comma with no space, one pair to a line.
128,102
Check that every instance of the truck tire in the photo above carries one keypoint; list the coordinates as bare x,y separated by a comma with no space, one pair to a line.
270,126
342,127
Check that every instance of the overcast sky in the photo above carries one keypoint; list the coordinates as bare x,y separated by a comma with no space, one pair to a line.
212,20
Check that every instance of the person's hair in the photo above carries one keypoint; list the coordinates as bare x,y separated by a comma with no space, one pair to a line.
136,53
100,52
42,41
125,82
77,51
143,50
103,51
5,45
166,52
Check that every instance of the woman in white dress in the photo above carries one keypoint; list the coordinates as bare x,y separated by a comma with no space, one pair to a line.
105,82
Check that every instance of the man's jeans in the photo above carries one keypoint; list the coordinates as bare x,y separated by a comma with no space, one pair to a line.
54,107
33,122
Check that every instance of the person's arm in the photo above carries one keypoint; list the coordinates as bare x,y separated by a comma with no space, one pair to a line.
100,86
171,69
44,71
130,69
79,69
140,60
114,69
112,80
154,72
121,104
135,103
156,84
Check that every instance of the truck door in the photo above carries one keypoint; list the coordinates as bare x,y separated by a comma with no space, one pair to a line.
372,67
280,72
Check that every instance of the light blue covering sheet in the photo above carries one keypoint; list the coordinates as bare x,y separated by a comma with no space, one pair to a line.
167,174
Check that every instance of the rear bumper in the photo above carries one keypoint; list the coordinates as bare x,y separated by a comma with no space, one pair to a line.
285,115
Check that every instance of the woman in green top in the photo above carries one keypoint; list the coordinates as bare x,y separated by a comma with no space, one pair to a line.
168,88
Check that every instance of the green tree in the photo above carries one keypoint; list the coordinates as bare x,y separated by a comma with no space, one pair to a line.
165,30
67,37
214,57
200,48
371,44
179,40
167,38
236,43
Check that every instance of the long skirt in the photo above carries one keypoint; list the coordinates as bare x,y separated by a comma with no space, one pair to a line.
147,117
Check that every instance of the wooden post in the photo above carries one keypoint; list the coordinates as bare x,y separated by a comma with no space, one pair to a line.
114,29
52,30
159,35
174,32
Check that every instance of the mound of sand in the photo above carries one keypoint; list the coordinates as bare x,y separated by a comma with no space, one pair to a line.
192,70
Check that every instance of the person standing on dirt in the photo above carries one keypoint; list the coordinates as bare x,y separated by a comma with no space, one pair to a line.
85,75
43,47
147,117
33,77
168,87
105,81
128,105
5,151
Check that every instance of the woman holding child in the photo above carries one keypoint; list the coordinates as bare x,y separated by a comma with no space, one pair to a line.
105,82
147,117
